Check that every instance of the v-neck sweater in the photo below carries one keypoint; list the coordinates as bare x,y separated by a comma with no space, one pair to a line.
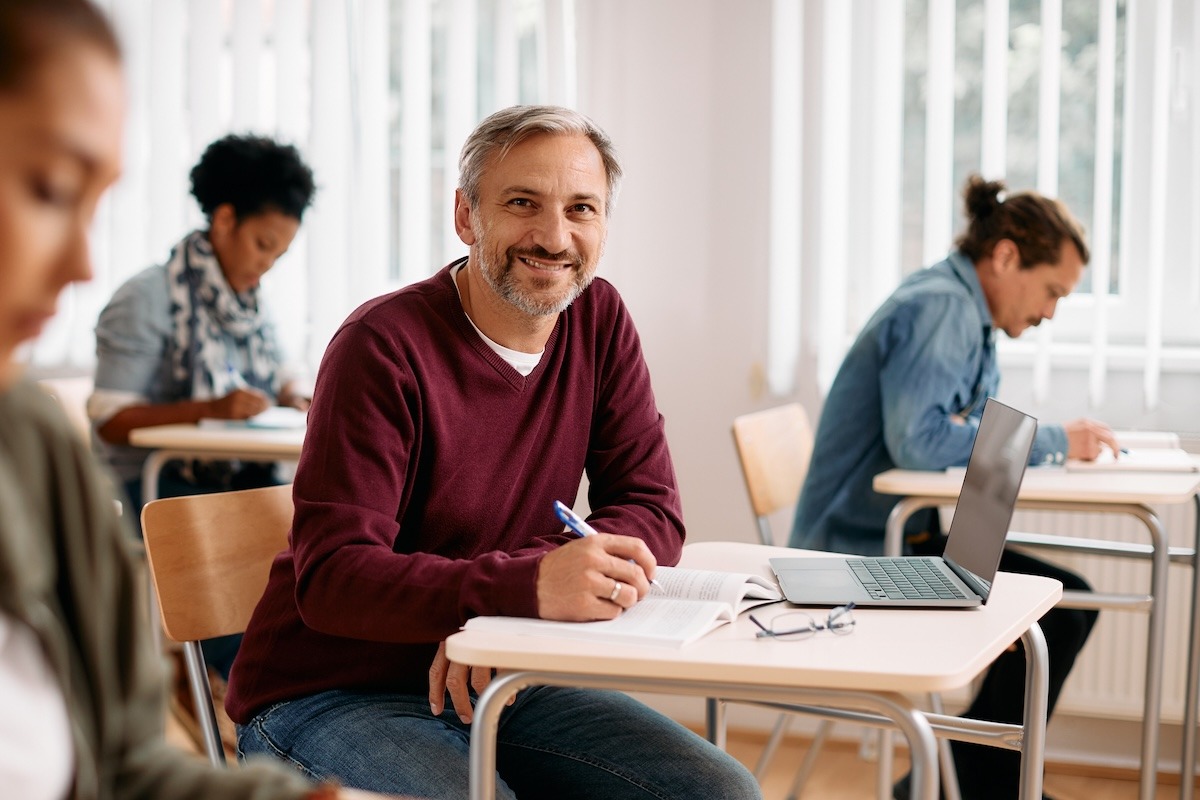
424,493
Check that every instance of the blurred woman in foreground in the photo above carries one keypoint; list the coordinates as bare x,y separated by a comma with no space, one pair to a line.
80,687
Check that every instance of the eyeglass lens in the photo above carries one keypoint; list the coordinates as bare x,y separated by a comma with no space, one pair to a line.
801,625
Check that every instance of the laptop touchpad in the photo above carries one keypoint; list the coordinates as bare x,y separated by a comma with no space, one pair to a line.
821,577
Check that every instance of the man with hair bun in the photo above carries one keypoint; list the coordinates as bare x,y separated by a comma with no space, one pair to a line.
910,394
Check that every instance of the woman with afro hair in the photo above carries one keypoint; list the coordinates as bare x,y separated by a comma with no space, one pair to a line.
191,338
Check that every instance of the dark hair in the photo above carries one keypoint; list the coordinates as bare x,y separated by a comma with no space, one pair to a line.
31,29
508,127
253,174
1036,224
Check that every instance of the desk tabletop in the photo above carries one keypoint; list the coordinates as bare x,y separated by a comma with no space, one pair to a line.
260,442
1054,484
903,650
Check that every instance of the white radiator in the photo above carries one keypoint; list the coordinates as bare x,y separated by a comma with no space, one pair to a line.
1107,680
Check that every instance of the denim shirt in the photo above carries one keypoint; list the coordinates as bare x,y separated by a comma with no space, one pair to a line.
909,394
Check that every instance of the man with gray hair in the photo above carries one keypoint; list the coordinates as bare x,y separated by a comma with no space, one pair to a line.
447,419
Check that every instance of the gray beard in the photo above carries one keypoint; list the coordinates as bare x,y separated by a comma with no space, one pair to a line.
503,284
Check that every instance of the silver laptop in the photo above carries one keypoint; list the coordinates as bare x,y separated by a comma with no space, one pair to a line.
962,576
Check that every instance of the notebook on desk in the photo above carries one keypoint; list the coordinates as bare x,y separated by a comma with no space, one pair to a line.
1142,459
962,576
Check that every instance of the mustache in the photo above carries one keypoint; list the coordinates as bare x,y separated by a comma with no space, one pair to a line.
543,254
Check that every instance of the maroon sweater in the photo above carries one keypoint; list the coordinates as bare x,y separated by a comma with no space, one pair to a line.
424,492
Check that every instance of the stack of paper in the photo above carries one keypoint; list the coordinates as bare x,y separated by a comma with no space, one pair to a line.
274,418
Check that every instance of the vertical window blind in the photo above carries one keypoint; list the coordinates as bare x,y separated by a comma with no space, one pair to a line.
1093,102
378,95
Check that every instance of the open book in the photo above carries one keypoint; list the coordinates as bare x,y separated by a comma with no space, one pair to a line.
691,603
1142,459
1141,451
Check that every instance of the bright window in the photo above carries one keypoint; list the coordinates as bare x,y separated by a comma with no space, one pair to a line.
1093,101
378,96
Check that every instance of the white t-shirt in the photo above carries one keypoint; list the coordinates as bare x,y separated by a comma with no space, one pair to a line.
523,363
37,757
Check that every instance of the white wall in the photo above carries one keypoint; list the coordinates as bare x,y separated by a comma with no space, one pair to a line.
682,87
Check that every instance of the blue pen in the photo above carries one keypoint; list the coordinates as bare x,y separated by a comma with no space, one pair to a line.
577,524
235,378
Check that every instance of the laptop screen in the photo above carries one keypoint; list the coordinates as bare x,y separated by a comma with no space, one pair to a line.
989,492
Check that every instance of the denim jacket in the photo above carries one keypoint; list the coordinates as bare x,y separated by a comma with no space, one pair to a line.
909,394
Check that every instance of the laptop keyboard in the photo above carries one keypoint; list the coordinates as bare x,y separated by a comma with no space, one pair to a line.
903,579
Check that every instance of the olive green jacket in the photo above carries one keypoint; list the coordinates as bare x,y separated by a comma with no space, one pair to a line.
67,571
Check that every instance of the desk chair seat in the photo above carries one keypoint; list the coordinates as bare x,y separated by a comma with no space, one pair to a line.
774,448
209,558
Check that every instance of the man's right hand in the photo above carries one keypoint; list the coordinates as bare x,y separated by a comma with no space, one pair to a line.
239,404
593,577
1085,437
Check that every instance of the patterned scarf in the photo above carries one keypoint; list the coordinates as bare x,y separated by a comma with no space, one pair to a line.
207,313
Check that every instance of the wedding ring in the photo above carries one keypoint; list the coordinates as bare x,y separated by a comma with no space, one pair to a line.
617,587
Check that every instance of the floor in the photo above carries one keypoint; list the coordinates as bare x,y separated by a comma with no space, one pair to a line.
842,773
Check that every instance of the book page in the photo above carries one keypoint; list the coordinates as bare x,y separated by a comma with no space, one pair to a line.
737,590
655,621
274,418
1141,440
1149,459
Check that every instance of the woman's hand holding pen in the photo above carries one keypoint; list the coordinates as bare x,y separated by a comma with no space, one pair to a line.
239,404
293,396
593,577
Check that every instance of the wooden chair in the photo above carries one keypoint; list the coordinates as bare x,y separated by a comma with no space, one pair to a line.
774,449
209,557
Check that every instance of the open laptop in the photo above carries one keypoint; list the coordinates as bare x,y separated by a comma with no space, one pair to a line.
962,576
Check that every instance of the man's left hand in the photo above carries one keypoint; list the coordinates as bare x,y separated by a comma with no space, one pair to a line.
458,680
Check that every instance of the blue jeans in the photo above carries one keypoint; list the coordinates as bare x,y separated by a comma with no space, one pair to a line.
553,743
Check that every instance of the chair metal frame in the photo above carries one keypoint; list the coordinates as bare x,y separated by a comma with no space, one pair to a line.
209,557
774,447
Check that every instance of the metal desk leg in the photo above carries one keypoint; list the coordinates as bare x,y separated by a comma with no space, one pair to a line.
714,719
485,727
1187,762
1037,693
1160,558
1152,705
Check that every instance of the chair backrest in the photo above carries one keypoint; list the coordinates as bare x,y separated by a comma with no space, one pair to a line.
774,447
210,555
